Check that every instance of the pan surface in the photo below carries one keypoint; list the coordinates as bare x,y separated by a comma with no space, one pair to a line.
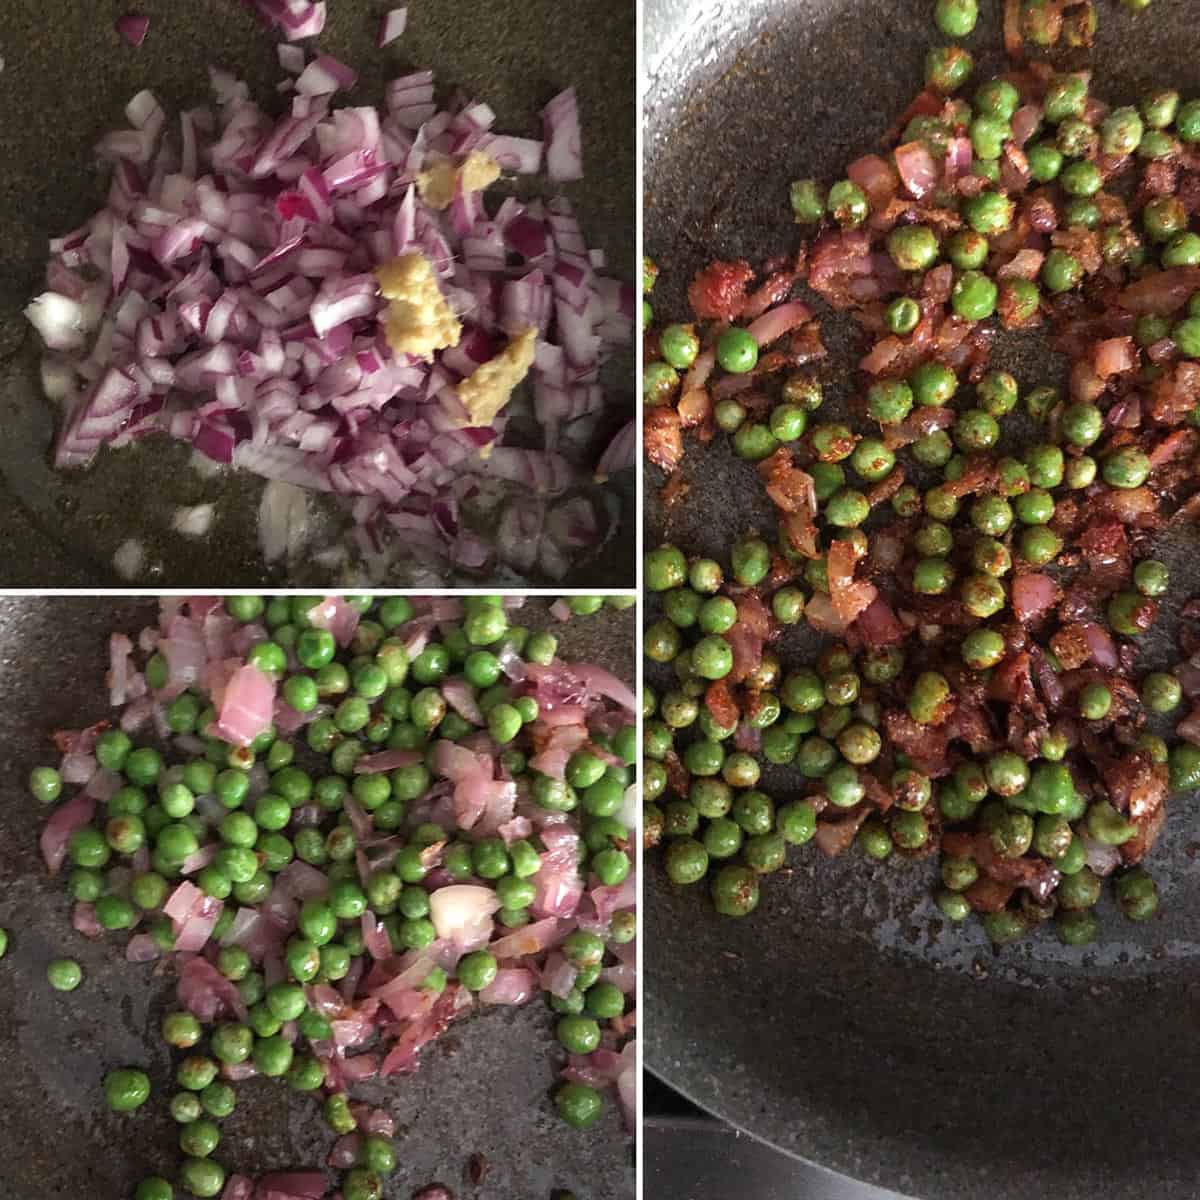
843,1021
66,80
482,1088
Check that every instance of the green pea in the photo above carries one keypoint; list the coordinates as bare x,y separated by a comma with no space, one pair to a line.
735,891
203,1177
847,508
808,201
686,861
186,1107
947,68
889,401
913,247
196,1072
679,345
929,693
476,970
1045,161
988,135
933,576
788,422
909,830
1164,217
1137,894
902,315
1159,109
665,568
1187,121
1035,507
115,912
1061,271
933,450
1081,179
1095,701
1126,468
956,18
737,351
126,1089
1040,545
1157,144
997,98
933,384
1105,824
847,204
988,213
1186,336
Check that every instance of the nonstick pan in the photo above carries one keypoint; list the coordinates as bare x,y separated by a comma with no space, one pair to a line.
482,1088
66,79
843,1021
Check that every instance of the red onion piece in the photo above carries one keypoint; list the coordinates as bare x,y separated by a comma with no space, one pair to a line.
299,1185
564,141
295,18
1189,727
1032,595
512,985
238,1187
83,920
917,169
75,814
206,993
133,28
248,706
776,322
142,948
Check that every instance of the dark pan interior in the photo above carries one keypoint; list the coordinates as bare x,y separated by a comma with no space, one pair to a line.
66,80
843,1021
482,1088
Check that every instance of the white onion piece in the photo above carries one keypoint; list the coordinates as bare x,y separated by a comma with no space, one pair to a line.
203,465
61,321
130,559
195,521
627,1083
392,26
631,806
58,379
1101,858
282,521
462,912
291,58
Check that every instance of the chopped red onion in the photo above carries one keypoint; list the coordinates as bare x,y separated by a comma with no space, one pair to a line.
83,920
69,817
512,985
142,948
238,1187
564,141
248,706
294,18
236,307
